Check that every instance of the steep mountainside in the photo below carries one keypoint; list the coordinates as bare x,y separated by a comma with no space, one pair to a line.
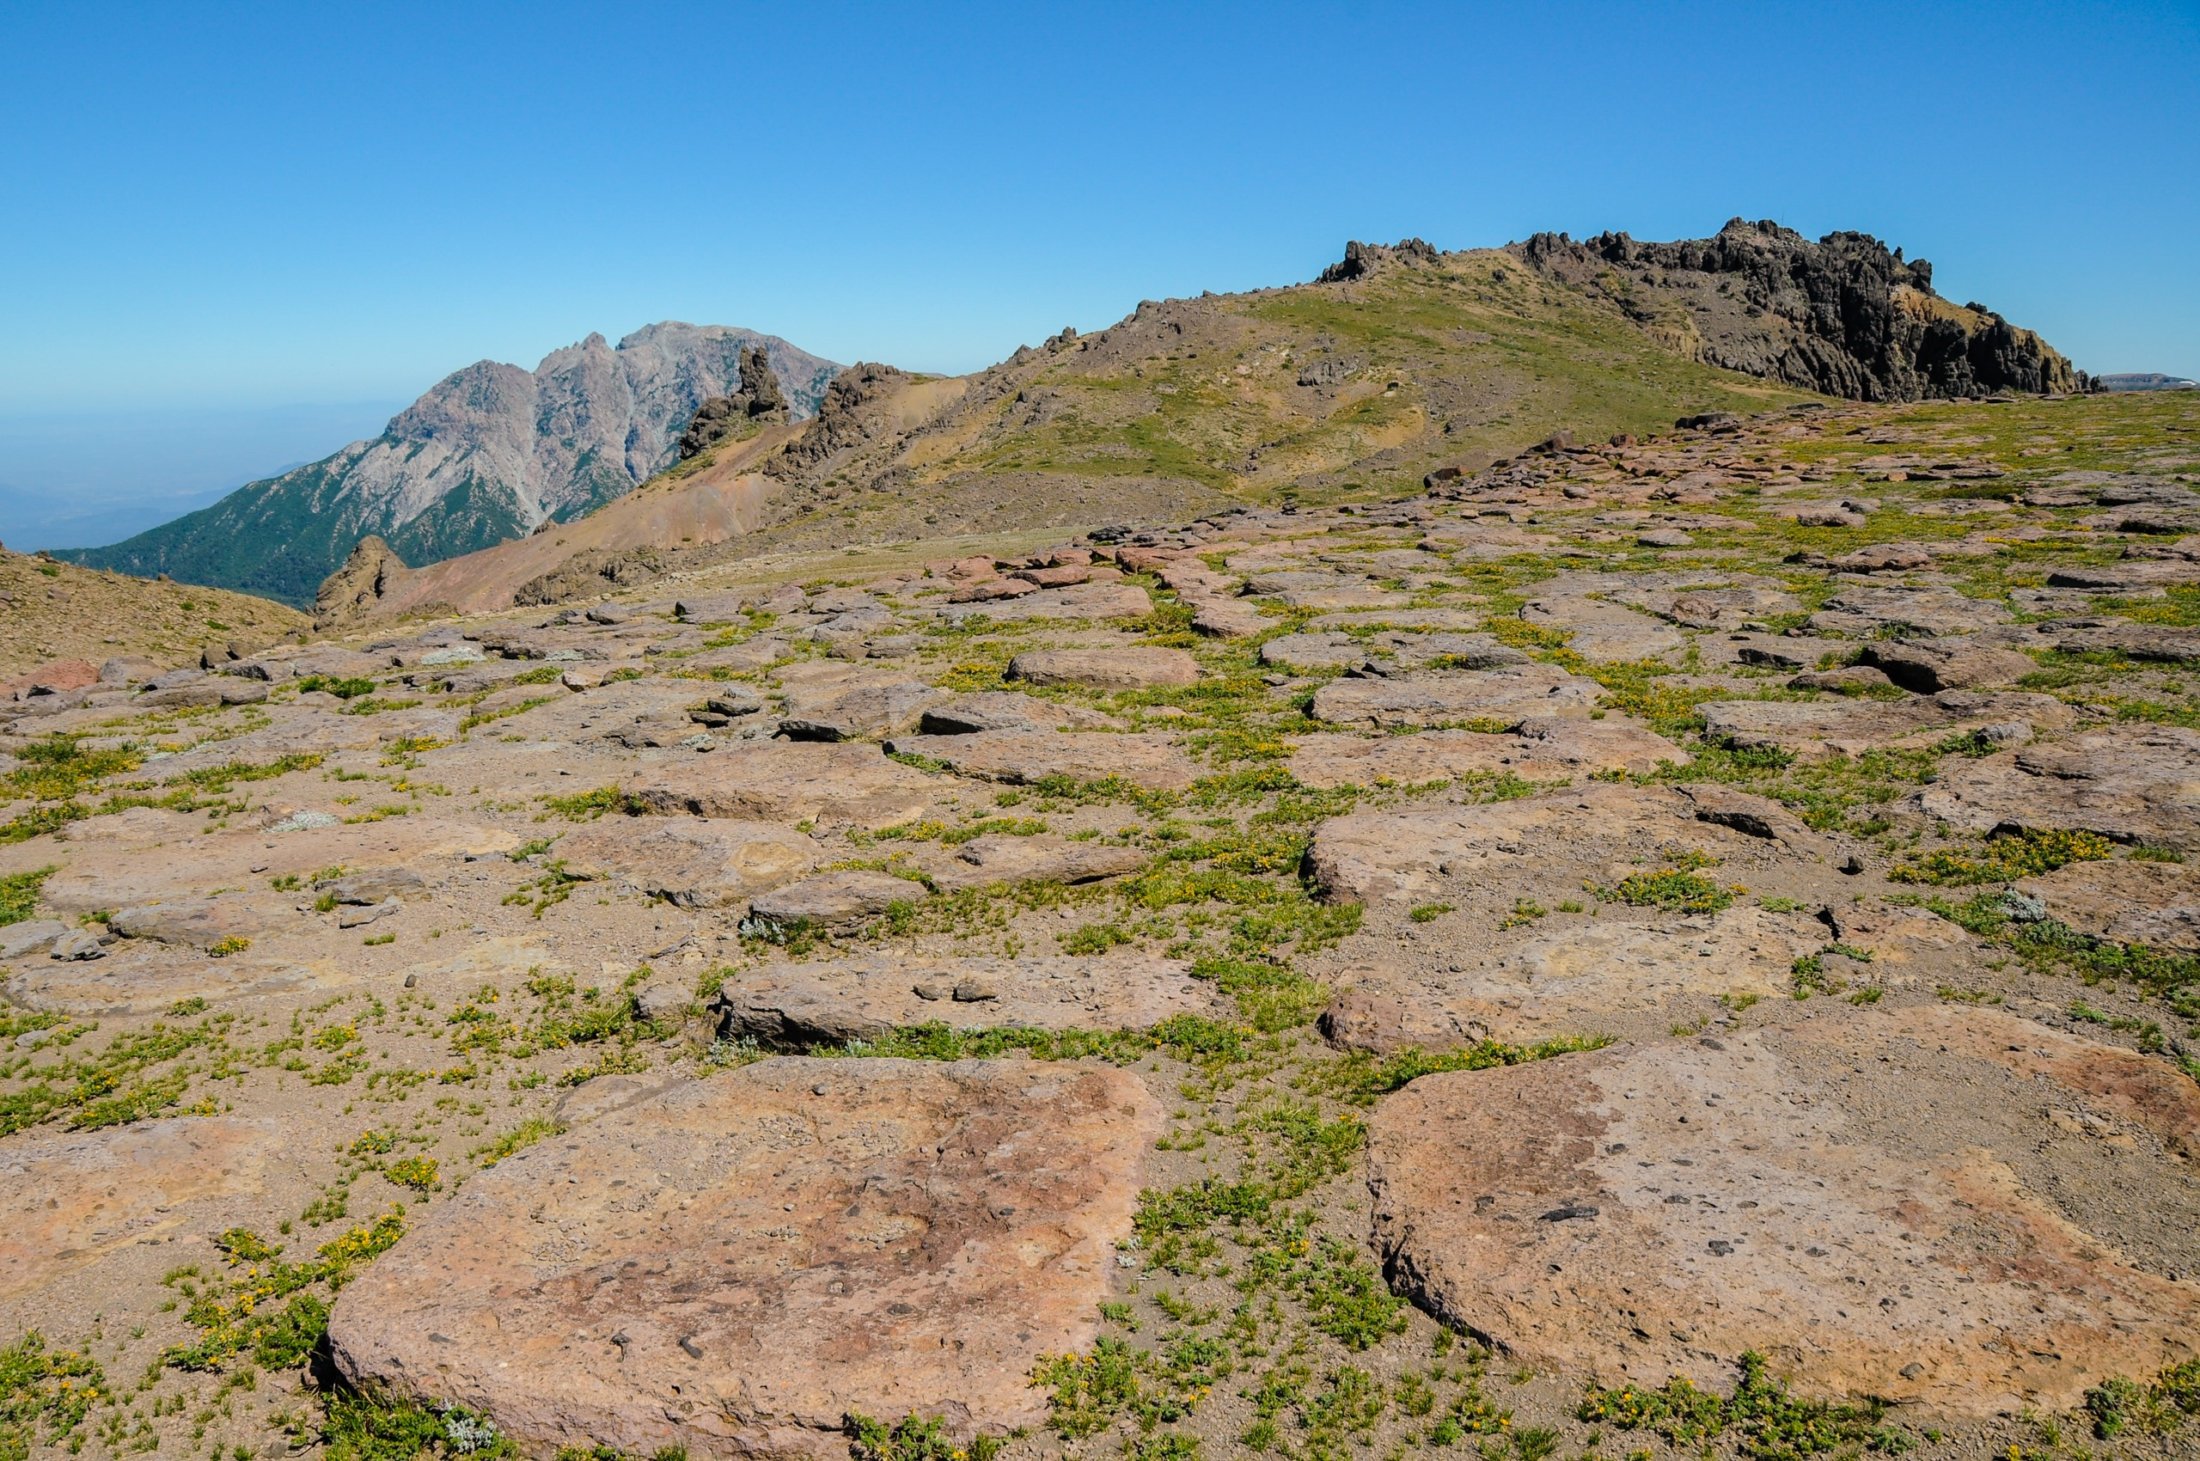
1845,315
491,453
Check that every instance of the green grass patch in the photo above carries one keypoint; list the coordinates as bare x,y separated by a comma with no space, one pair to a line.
1762,1419
2023,854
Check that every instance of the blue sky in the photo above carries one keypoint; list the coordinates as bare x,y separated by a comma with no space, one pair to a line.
235,208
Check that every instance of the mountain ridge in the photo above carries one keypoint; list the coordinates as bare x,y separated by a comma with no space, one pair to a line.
489,453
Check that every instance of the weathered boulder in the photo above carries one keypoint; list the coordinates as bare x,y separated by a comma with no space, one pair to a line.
1397,853
1930,666
202,922
1000,858
2132,784
69,1200
738,1265
2151,903
787,783
1866,1198
1539,749
834,900
1604,631
844,714
1123,667
819,1002
1143,758
1506,696
689,863
1852,727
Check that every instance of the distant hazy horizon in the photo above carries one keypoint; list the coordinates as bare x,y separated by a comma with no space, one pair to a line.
83,479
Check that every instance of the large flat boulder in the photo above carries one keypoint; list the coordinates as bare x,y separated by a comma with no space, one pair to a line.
1938,1204
1141,758
787,783
1116,667
1506,696
1002,858
1541,749
804,1004
69,1200
2151,903
848,712
1400,853
1604,631
738,1265
1932,665
834,900
692,863
2132,784
175,862
1614,975
1852,727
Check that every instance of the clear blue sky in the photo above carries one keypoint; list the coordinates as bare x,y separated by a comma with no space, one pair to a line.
237,207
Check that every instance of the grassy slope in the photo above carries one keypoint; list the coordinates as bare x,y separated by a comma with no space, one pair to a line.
1502,358
1195,404
60,611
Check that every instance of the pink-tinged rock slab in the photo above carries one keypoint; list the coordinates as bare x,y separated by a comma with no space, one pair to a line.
1937,1204
736,1266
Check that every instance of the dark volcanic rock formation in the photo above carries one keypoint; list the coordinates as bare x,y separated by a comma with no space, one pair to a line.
1845,315
758,400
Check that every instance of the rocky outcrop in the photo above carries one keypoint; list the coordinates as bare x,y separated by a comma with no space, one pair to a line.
851,414
1846,315
596,571
1361,259
758,401
352,591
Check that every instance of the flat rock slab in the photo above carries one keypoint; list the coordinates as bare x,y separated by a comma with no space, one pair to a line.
1000,858
1852,727
1603,631
736,1266
1507,696
1930,666
99,875
1124,667
2132,784
1335,650
835,899
845,713
1081,601
1541,749
1402,853
69,1200
198,922
800,1005
1141,758
2151,903
1714,608
996,710
1863,612
2161,643
1865,1197
145,978
1612,975
691,863
788,783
